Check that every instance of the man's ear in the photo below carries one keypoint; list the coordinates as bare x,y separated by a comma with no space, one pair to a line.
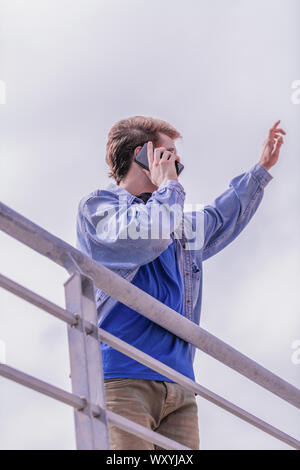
136,151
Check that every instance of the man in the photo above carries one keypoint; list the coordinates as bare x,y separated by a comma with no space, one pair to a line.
167,267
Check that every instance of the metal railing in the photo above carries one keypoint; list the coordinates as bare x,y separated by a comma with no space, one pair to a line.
88,394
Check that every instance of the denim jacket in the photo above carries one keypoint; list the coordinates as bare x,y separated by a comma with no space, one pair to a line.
198,234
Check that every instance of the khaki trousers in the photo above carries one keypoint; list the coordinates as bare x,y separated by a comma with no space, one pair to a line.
161,406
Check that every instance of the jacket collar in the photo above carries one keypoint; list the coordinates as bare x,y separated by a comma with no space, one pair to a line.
114,188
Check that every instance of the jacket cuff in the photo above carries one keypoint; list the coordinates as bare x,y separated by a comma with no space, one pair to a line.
261,174
172,184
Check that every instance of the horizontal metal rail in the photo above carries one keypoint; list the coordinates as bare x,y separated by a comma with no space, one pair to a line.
37,300
42,387
81,404
22,229
152,363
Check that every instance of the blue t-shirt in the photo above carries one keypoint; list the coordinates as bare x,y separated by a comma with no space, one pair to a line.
161,279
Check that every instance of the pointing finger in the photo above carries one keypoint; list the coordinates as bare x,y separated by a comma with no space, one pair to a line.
276,124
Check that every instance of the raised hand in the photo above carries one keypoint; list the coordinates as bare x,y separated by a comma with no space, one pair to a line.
271,146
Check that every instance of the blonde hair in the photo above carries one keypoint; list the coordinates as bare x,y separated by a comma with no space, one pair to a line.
126,135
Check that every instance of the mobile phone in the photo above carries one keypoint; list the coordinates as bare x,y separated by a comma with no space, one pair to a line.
142,159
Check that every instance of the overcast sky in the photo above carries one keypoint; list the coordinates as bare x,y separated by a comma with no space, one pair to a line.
221,72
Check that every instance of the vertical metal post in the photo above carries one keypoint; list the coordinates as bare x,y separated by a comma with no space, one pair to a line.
86,364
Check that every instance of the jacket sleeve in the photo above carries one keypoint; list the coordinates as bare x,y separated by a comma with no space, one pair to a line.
233,209
127,235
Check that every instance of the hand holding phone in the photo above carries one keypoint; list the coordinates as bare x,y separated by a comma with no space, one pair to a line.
161,163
